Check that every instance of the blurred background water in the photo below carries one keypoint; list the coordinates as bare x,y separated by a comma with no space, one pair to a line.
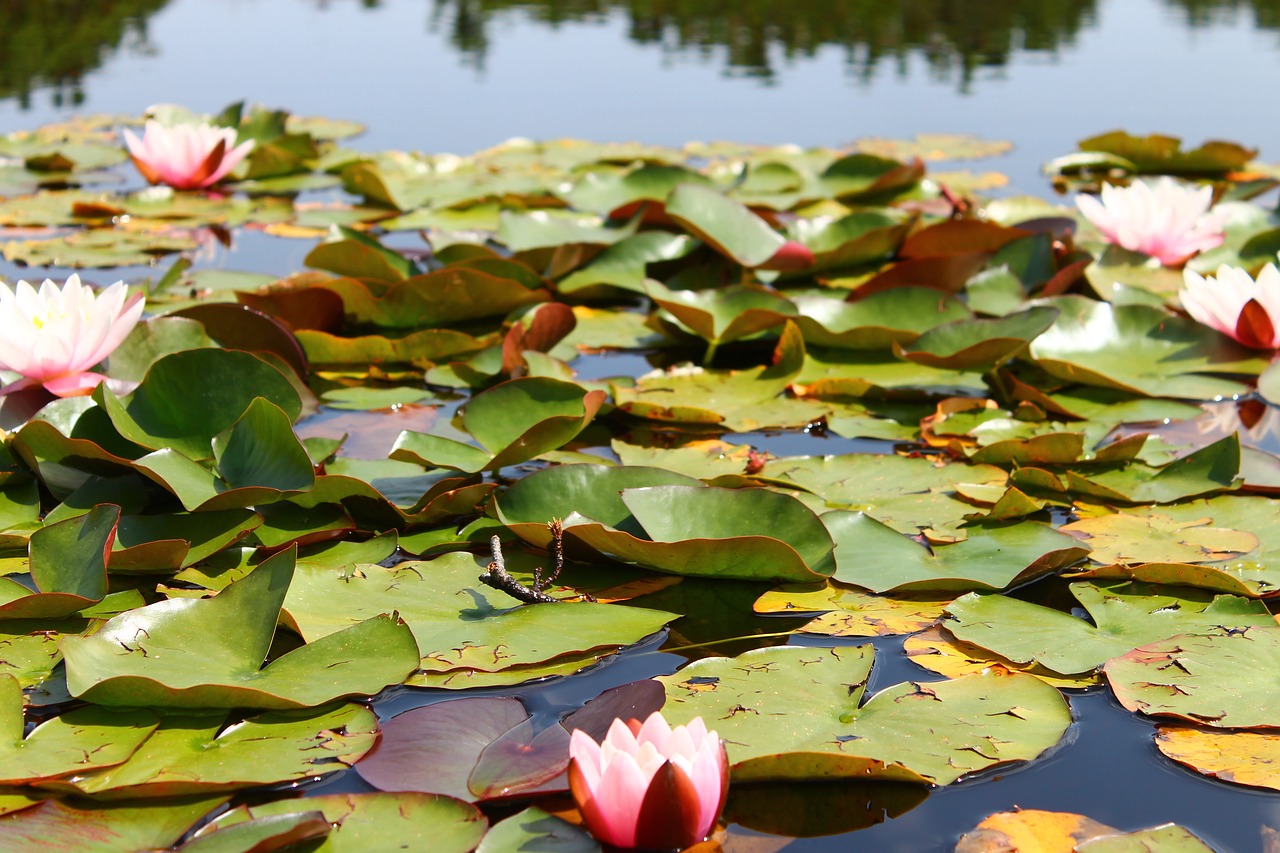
459,75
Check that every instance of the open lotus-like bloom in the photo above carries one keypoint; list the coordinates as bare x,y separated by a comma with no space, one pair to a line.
649,787
52,336
185,156
1167,221
1236,304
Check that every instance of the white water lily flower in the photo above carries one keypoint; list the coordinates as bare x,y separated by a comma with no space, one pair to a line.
52,336
185,156
1167,220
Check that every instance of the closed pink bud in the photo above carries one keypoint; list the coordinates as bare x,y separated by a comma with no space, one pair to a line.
1167,220
650,787
185,156
52,336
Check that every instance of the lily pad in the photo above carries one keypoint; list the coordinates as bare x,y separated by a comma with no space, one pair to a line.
457,626
373,823
1124,616
1142,350
1216,677
993,556
793,713
190,755
514,422
213,651
79,741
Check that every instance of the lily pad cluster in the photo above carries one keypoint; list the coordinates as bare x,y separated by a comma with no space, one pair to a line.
705,399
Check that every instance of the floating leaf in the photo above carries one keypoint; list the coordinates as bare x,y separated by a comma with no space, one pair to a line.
793,713
213,652
534,829
514,422
79,741
197,755
874,556
373,823
1217,677
1245,758
1124,616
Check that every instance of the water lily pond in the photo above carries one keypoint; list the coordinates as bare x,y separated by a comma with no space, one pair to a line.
937,475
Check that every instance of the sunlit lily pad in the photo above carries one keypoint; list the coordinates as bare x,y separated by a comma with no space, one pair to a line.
793,713
513,422
876,557
937,650
1123,618
63,827
79,741
1216,677
197,755
213,651
489,634
853,612
1245,758
1142,350
371,823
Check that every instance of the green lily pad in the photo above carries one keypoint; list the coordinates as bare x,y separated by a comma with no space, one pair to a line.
373,823
79,741
1142,350
1163,155
1216,677
490,634
188,398
724,224
978,344
797,714
625,264
62,827
98,248
724,314
878,321
514,422
534,829
451,295
1124,617
213,651
992,556
68,566
190,755
907,494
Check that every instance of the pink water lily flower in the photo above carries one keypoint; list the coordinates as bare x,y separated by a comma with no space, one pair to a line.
1168,221
185,156
650,787
1236,304
52,336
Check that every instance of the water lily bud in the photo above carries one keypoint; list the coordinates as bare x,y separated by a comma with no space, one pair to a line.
52,336
1168,221
1236,304
185,156
650,787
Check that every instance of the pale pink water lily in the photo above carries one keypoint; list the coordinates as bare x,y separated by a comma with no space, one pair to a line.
650,786
1237,304
52,336
185,156
1167,220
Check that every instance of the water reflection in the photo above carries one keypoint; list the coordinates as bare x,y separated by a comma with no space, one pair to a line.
53,44
758,34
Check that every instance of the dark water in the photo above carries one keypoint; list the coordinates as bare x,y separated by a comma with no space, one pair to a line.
463,74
